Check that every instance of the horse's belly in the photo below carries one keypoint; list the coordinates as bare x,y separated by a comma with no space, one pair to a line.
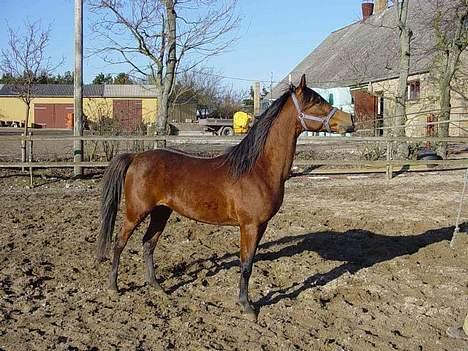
205,217
211,212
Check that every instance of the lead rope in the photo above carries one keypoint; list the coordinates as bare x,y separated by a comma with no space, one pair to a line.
457,222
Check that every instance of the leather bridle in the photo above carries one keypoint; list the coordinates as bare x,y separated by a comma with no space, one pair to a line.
303,116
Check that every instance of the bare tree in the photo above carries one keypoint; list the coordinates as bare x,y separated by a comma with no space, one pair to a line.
24,58
405,34
205,88
451,28
201,86
229,102
154,36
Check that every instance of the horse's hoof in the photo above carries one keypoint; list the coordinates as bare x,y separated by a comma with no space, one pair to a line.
249,311
113,289
154,284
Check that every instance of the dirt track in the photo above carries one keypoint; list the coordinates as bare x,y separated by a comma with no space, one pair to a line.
347,264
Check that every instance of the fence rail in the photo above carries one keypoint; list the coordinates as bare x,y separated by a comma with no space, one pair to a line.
299,163
388,166
231,139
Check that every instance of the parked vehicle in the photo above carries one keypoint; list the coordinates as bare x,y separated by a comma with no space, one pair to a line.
239,124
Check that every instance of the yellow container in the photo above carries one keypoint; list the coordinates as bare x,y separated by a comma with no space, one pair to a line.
241,122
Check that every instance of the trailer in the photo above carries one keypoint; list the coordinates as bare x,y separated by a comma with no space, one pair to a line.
218,126
238,125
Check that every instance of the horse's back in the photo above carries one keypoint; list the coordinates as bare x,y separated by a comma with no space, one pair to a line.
198,188
177,166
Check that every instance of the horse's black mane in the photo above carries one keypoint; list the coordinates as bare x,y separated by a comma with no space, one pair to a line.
242,157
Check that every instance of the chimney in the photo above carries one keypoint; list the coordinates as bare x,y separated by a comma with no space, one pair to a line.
380,6
367,9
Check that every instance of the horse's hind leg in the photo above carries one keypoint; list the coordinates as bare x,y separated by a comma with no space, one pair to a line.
159,217
127,229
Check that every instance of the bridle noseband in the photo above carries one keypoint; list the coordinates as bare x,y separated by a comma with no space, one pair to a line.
302,116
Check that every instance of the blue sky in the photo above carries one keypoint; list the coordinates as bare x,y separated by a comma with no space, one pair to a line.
274,35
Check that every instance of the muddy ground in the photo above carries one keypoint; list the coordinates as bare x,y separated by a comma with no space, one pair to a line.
347,264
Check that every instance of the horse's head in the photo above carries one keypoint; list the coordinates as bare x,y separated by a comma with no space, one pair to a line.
315,114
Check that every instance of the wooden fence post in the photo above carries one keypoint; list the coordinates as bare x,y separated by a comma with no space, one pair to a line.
389,170
78,89
31,179
23,150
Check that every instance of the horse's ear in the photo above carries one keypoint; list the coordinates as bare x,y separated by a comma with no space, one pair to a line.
303,84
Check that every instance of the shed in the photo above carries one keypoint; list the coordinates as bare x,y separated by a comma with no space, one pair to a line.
52,103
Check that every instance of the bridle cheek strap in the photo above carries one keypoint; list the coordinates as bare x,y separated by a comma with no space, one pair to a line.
302,116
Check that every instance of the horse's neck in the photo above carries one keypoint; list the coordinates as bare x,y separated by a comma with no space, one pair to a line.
280,146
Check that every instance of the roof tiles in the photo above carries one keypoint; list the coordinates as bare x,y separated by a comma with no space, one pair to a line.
366,51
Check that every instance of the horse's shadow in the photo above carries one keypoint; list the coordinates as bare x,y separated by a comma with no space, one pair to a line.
357,249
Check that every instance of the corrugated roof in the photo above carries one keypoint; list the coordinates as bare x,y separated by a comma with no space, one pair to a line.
130,91
366,51
89,90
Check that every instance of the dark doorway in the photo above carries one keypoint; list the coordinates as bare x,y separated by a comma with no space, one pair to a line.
365,108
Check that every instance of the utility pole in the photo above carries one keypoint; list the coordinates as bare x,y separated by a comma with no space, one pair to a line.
78,88
271,89
257,99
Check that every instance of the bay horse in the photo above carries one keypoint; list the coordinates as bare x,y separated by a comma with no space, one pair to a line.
243,187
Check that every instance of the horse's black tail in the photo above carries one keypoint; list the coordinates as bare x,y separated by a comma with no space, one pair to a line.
110,198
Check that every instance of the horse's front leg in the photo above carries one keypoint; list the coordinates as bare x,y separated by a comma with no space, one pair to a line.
250,236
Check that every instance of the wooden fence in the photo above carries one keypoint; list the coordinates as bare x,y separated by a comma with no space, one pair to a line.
387,166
